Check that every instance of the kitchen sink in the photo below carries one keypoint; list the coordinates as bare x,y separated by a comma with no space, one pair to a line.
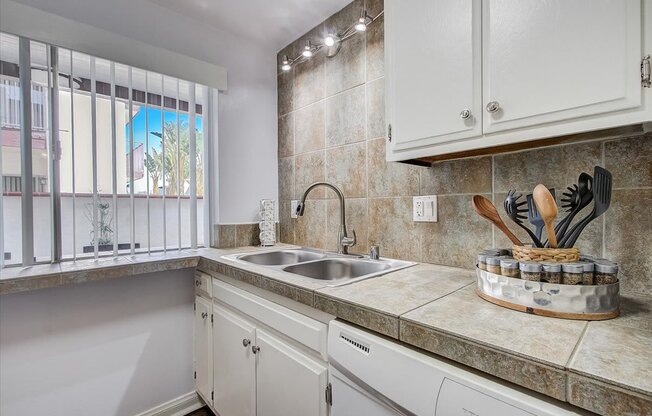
338,269
332,269
281,257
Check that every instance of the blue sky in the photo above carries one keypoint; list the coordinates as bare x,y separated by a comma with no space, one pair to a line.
154,125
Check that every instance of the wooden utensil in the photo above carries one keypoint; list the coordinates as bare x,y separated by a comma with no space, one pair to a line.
547,208
488,211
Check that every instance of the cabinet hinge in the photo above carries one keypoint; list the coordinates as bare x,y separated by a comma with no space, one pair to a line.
211,319
212,395
389,132
194,306
329,394
194,375
646,81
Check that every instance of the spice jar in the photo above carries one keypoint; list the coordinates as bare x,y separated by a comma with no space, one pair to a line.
493,264
509,268
551,273
587,275
482,261
531,270
606,272
572,273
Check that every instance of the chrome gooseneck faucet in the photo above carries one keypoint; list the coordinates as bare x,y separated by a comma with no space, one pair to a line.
343,239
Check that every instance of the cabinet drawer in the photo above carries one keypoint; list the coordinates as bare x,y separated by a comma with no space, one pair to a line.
203,283
306,331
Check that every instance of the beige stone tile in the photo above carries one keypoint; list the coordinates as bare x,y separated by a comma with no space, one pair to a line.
465,176
346,69
376,45
464,314
404,290
285,92
346,168
286,178
635,312
356,219
391,227
376,109
389,178
628,238
556,167
38,270
161,264
458,234
310,229
309,128
247,235
286,223
225,237
617,355
374,7
375,321
630,161
538,377
82,271
309,81
286,135
345,117
292,292
603,399
309,168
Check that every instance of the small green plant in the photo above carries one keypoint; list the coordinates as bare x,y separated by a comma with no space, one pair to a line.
104,222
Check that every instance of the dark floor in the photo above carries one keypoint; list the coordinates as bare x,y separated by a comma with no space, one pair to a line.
204,411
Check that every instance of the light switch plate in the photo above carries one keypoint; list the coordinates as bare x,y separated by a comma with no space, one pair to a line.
293,206
424,208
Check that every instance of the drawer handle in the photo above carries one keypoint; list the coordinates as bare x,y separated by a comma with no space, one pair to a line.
255,349
465,114
204,315
493,107
246,342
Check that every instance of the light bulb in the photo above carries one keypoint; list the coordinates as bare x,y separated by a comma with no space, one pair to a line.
360,27
363,21
329,40
285,65
307,50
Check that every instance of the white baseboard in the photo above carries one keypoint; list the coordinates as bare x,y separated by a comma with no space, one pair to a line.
180,406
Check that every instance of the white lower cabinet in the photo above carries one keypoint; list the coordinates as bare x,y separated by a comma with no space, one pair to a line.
266,359
202,347
234,364
288,382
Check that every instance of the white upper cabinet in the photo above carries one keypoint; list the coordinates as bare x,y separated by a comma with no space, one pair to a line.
526,70
432,50
554,60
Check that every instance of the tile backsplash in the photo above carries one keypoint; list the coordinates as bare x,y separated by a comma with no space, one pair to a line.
331,127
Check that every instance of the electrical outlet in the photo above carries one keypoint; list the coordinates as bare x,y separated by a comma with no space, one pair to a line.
293,206
424,208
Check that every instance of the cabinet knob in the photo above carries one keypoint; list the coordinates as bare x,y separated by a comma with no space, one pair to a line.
204,315
246,342
255,349
493,106
465,114
197,283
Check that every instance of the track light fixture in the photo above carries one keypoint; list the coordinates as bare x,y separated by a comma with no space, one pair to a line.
332,42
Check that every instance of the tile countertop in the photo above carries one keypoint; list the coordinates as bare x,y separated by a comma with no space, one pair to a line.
604,367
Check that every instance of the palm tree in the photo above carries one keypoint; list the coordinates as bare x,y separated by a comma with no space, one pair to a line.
154,165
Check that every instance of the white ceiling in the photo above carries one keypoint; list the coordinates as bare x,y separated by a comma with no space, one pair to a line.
273,23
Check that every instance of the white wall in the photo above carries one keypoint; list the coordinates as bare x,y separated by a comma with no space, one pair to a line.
115,347
247,169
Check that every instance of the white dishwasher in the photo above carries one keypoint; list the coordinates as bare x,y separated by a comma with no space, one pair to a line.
373,376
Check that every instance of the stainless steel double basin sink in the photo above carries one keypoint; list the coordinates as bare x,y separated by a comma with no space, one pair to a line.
331,268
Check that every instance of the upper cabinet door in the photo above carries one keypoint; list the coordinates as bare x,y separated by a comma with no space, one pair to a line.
234,368
288,382
433,58
553,60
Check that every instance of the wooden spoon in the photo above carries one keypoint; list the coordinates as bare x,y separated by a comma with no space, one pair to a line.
487,210
547,208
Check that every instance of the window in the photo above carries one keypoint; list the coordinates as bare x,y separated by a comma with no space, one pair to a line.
130,143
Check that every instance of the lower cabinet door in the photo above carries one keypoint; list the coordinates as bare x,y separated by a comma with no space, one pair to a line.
202,348
288,382
234,368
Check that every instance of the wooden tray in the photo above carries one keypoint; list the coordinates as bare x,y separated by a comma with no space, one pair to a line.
582,302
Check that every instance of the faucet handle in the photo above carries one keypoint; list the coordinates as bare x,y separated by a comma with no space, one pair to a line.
374,252
348,241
